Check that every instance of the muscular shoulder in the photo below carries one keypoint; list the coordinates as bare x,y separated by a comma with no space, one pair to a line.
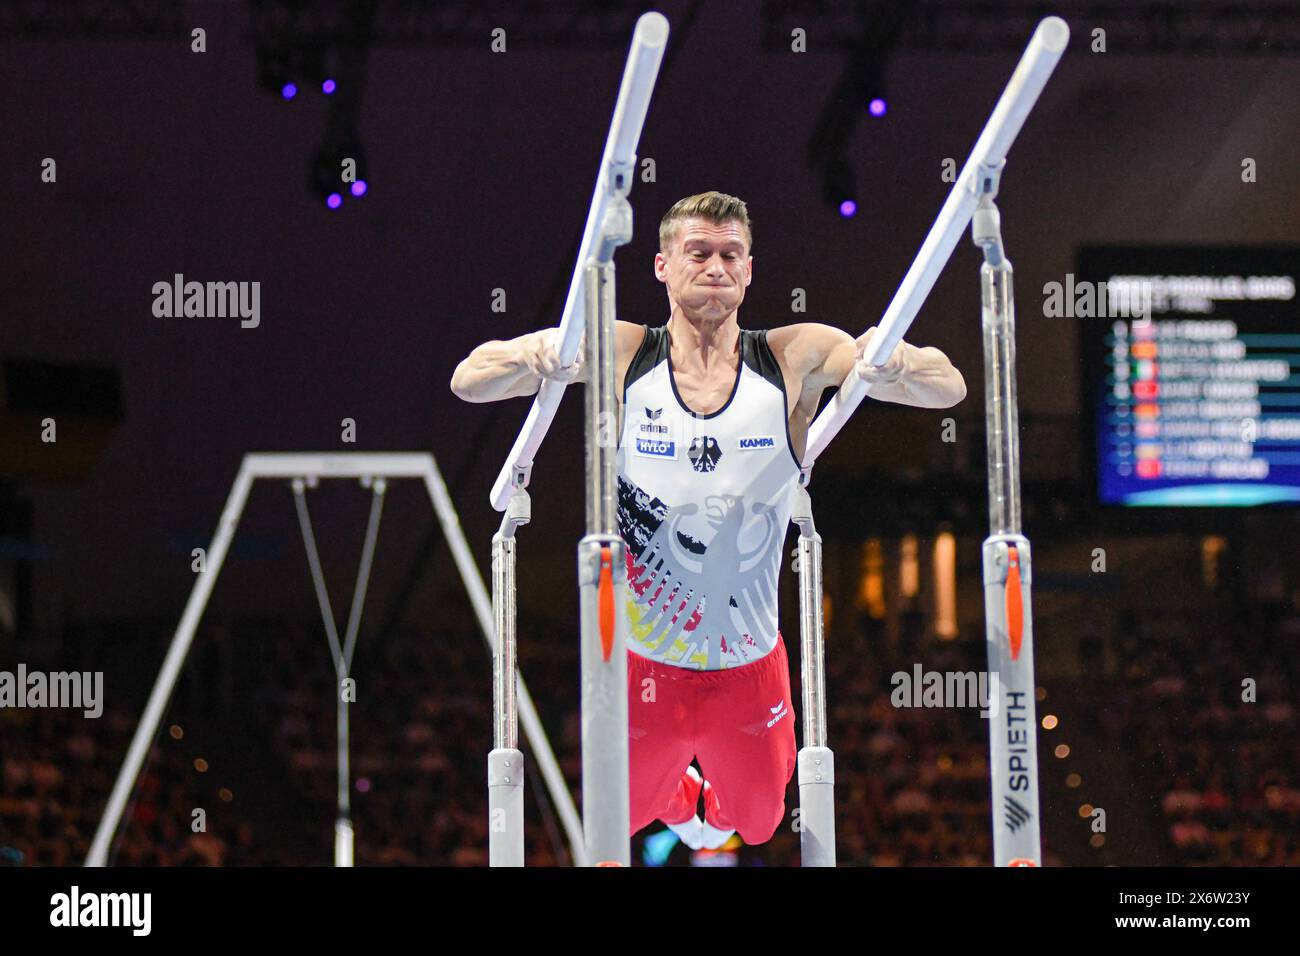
804,347
628,337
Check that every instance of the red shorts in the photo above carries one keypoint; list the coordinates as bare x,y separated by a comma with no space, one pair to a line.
738,723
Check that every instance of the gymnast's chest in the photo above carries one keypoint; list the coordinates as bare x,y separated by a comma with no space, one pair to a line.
662,439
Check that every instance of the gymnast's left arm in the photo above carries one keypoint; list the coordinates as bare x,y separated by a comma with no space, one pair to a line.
923,377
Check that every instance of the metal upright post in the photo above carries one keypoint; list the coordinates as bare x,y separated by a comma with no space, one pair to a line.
602,572
506,761
1013,731
816,761
343,834
602,567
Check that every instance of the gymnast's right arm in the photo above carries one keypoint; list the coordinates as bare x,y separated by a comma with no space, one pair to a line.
514,368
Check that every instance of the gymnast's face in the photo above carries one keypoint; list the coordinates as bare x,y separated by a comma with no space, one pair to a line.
707,269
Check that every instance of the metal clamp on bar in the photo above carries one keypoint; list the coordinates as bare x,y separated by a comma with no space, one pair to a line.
519,512
986,223
620,173
801,513
984,184
616,230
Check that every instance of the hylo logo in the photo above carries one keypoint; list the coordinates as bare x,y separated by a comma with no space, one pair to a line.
656,449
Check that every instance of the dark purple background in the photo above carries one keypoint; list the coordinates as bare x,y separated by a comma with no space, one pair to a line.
481,167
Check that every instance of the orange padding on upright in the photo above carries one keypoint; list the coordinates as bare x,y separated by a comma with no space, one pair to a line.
609,863
606,603
1015,610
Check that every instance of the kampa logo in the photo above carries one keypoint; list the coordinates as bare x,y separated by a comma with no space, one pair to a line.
780,711
756,441
656,449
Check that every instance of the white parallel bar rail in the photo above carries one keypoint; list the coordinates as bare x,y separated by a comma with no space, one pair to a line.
1021,93
324,465
639,75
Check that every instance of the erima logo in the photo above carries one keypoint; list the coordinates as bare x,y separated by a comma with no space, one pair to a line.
757,441
780,711
647,428
656,449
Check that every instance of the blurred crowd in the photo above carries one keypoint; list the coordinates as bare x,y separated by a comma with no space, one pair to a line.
1203,728
56,771
1212,731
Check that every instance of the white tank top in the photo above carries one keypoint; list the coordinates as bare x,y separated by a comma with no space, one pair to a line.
704,504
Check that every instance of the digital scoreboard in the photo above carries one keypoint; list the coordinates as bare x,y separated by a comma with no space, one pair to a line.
1191,372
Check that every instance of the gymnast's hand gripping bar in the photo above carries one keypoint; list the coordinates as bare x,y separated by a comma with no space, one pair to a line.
614,179
1021,93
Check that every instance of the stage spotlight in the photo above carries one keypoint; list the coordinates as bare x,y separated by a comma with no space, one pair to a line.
871,80
334,200
289,91
328,87
838,188
328,167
